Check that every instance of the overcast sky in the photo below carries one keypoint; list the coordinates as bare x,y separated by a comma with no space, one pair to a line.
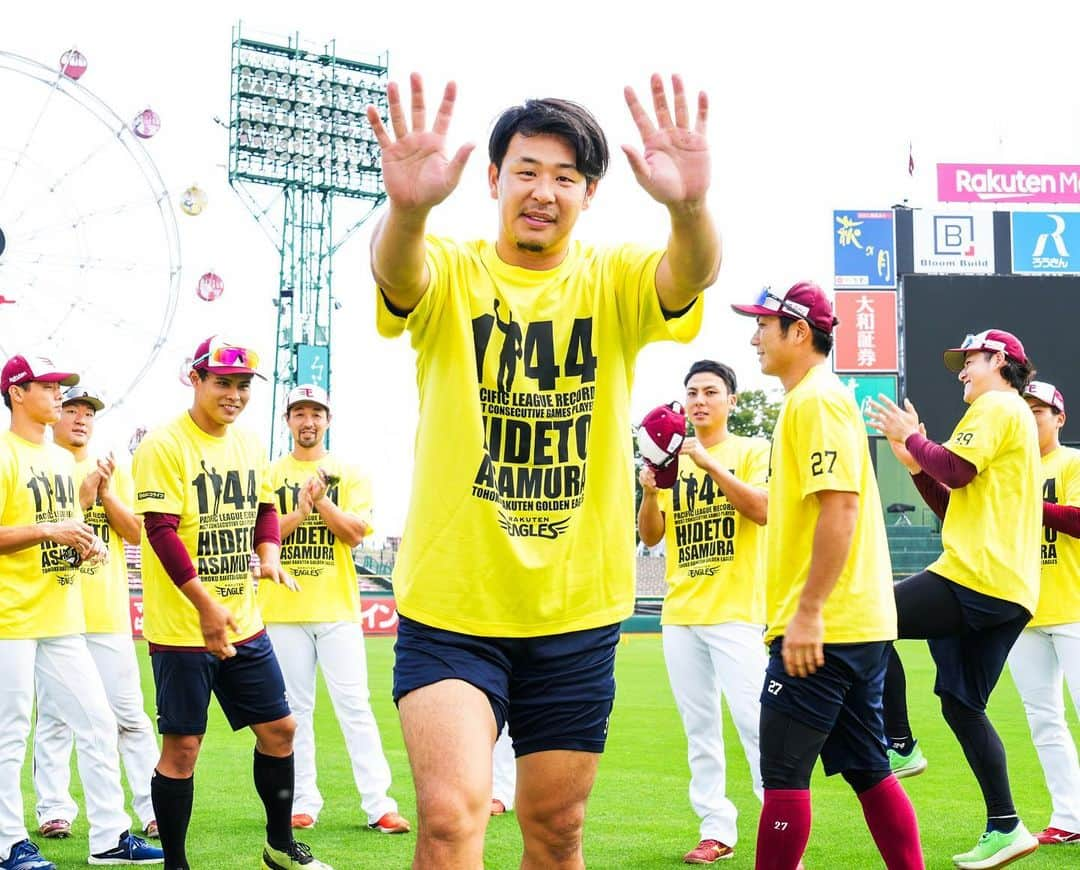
813,106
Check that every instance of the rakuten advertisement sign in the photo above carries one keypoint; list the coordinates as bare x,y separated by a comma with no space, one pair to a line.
1008,182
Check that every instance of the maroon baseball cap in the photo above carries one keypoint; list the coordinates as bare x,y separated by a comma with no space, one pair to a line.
1046,393
217,357
991,340
660,437
803,301
24,369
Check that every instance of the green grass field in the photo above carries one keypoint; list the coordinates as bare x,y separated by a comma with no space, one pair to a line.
639,814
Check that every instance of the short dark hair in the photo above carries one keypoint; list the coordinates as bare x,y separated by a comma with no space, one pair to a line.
7,399
717,368
562,118
822,340
1017,374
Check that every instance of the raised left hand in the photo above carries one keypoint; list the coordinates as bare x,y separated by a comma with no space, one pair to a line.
892,421
673,166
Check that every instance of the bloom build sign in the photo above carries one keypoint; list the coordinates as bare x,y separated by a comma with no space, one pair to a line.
1008,182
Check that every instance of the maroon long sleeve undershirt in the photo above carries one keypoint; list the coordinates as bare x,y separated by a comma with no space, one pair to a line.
161,532
1062,517
939,462
934,493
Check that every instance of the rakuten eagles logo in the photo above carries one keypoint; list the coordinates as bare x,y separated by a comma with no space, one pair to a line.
533,528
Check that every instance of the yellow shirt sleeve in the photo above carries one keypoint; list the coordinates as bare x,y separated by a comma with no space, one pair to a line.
979,434
158,478
440,257
826,449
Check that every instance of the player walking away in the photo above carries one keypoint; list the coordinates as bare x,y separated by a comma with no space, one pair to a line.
203,488
324,510
713,616
517,567
828,595
105,496
503,774
42,540
1048,650
973,602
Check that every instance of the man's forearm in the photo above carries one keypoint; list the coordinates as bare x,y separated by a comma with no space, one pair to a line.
345,526
750,501
16,538
125,521
650,520
833,535
398,257
693,256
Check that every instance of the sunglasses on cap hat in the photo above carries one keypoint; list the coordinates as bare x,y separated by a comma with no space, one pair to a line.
768,299
228,355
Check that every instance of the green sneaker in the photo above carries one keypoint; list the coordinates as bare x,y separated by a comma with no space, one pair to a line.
911,764
996,849
297,855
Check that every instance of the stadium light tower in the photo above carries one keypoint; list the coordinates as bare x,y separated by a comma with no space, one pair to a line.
297,125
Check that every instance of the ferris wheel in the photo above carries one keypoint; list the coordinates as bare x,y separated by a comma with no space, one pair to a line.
89,248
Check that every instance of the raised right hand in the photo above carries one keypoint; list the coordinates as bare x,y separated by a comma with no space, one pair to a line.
214,620
416,171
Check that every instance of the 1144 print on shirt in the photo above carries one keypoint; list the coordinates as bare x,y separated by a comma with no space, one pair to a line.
536,436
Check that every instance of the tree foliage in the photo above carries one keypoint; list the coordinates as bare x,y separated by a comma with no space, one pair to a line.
755,414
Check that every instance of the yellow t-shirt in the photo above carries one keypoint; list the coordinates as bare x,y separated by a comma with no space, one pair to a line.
990,537
521,375
1059,582
322,565
39,591
105,587
820,444
215,486
715,555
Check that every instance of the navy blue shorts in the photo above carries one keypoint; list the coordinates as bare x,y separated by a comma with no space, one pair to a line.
249,687
843,699
969,664
556,691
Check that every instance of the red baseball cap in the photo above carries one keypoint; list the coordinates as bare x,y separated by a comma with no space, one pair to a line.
803,301
217,357
991,340
1046,393
22,370
659,438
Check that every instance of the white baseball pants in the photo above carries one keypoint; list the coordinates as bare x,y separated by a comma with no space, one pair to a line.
705,662
337,648
114,656
64,672
1039,660
504,769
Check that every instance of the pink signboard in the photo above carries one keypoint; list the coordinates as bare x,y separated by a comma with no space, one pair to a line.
1008,182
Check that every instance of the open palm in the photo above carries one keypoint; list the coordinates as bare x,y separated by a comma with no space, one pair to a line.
673,165
417,173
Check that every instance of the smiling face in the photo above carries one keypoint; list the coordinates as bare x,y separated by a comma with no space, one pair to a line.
541,194
981,373
308,423
219,399
708,402
75,427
